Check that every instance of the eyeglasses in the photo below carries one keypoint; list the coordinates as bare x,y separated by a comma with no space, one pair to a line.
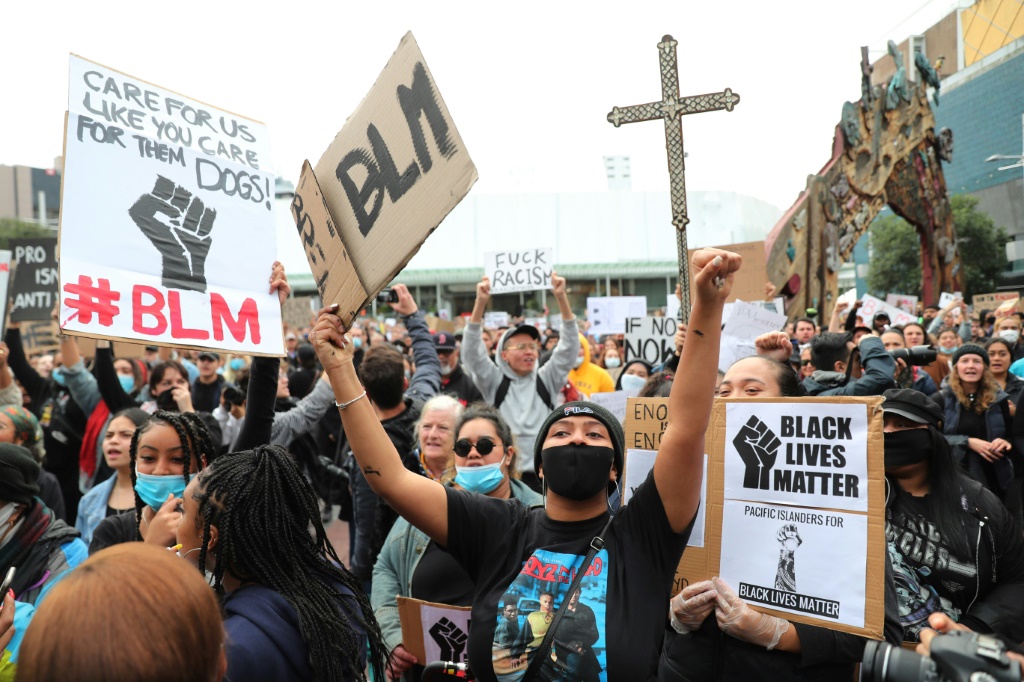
804,363
484,446
524,346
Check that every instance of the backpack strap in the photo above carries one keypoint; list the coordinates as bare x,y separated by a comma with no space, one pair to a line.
499,395
544,394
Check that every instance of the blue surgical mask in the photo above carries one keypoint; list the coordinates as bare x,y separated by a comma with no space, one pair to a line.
947,350
154,489
127,382
631,382
58,375
480,479
408,375
357,343
236,364
612,363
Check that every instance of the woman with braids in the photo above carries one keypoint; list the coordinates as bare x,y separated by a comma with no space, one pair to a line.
508,548
292,610
165,452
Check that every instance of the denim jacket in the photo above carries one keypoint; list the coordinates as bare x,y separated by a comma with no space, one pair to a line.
92,508
397,561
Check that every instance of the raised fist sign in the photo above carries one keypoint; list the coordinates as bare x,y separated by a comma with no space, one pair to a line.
785,575
758,448
181,234
450,638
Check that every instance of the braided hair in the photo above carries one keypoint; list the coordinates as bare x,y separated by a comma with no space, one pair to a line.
196,446
263,509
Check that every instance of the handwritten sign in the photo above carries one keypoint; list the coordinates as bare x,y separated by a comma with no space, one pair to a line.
744,324
34,289
167,231
872,306
524,270
5,280
496,319
608,314
907,304
391,175
615,402
650,338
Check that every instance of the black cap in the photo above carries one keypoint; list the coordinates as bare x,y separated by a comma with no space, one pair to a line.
970,349
152,349
881,314
208,355
444,341
913,405
19,474
521,329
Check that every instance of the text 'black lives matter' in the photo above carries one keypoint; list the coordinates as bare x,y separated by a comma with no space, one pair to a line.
769,596
382,173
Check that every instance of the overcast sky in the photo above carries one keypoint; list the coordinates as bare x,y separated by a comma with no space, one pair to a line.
528,83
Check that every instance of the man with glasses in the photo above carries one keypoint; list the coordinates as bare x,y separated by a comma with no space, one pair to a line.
454,381
513,383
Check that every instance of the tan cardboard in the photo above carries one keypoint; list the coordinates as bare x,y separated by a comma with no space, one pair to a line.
392,174
412,624
992,301
750,280
646,419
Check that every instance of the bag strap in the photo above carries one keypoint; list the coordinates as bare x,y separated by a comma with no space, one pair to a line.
544,394
596,545
499,395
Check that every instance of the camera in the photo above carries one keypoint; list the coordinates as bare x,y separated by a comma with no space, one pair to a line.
387,295
918,355
956,656
233,396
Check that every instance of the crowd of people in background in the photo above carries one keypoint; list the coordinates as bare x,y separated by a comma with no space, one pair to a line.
455,455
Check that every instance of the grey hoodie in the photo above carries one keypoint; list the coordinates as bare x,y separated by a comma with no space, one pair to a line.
522,408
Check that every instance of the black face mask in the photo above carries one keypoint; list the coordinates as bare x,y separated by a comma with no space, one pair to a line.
577,472
909,446
165,401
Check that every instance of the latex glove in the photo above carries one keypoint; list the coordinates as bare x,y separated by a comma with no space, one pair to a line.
689,608
738,620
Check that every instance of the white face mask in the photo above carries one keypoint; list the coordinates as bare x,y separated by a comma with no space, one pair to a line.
1009,335
612,363
445,370
631,382
579,361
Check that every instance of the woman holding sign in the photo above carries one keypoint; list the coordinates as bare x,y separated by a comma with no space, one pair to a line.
507,548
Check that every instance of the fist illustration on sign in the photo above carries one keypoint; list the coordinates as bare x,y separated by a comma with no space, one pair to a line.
450,638
181,233
785,574
758,448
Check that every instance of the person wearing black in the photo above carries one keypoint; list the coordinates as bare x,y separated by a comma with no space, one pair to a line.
207,387
454,381
506,547
302,380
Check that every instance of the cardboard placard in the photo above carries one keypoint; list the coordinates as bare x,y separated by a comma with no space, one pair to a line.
650,338
299,311
5,281
992,301
167,230
34,289
748,283
615,402
431,632
391,175
608,314
907,304
736,527
519,270
40,336
122,349
871,306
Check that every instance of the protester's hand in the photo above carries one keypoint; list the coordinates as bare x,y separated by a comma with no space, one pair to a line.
183,235
939,624
1000,447
5,353
557,285
182,398
7,620
839,309
399,661
985,449
333,347
900,366
738,620
162,529
774,345
405,306
483,290
713,274
690,607
279,282
680,338
769,291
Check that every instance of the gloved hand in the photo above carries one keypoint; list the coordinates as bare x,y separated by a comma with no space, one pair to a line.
689,608
738,620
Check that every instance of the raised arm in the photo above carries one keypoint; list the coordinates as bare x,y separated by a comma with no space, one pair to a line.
420,500
106,379
23,371
678,468
426,382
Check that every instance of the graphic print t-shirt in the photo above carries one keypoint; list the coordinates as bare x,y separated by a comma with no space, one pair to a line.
517,555
928,576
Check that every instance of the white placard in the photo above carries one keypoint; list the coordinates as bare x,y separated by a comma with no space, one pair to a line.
638,465
946,298
521,270
907,304
496,319
804,454
5,282
650,338
804,561
672,307
541,323
444,630
744,324
849,297
167,224
615,402
608,314
871,306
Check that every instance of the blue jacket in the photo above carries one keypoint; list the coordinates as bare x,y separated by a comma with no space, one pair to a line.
879,369
92,508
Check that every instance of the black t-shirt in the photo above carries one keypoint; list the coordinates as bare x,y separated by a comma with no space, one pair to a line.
518,554
928,576
439,578
113,530
206,397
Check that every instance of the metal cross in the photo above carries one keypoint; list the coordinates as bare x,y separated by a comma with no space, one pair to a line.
670,109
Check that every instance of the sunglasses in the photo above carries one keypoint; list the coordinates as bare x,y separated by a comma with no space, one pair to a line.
804,363
484,446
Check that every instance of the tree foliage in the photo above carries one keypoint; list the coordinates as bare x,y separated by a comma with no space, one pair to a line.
895,265
11,228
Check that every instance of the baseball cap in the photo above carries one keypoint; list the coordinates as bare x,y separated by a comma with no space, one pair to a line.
208,355
444,341
913,405
521,329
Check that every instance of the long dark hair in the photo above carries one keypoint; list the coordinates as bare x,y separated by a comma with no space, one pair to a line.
263,509
946,495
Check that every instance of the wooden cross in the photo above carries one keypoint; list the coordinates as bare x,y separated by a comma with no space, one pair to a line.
670,109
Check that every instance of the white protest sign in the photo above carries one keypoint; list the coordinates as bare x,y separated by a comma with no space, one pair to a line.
496,319
167,231
541,323
608,314
946,298
810,455
849,297
638,465
744,324
672,307
5,280
650,338
907,304
519,270
615,402
804,561
872,306
434,632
